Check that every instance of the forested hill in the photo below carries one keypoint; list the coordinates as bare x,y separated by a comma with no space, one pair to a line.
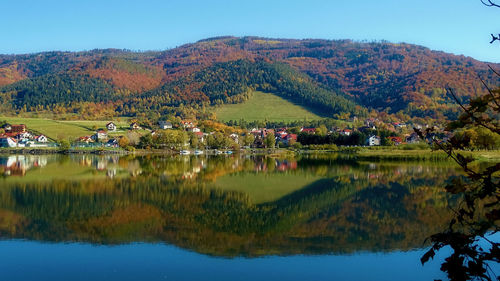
332,77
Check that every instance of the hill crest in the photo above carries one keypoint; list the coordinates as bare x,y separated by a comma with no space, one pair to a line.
379,76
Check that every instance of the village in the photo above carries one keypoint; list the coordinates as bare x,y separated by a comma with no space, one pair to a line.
184,135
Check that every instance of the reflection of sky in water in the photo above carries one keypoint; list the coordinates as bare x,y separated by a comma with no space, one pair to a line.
35,261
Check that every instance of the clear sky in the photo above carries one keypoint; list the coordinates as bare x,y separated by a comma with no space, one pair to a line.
456,26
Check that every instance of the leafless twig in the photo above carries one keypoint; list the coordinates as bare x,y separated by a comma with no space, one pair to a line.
490,3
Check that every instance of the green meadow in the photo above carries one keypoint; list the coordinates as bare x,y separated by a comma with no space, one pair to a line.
264,106
56,129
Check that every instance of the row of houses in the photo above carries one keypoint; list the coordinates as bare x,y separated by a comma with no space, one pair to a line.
283,136
111,126
19,136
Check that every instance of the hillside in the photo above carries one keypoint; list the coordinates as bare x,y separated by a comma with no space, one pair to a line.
264,106
334,78
56,130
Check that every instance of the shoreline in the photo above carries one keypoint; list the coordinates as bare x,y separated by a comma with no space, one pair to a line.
363,154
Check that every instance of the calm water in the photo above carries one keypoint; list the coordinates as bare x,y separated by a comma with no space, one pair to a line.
219,218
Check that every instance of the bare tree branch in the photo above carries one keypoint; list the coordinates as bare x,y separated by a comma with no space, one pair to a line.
489,91
493,38
471,114
490,3
494,71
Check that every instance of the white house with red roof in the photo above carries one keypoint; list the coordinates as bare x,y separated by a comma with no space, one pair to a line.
7,142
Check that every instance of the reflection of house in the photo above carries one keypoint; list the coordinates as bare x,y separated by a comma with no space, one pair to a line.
111,126
373,140
165,125
111,173
17,165
286,165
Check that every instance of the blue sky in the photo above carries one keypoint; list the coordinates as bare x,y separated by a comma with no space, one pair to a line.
456,26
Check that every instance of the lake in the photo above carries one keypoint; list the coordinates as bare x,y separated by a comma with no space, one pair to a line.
237,217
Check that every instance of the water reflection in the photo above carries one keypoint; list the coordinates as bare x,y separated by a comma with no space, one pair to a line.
17,165
225,205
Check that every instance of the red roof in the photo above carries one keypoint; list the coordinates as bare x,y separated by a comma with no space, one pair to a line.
10,135
395,139
18,128
308,130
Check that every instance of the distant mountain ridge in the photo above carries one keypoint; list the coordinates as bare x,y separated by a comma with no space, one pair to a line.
333,76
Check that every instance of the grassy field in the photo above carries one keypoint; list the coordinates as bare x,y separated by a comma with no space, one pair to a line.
265,187
264,106
55,129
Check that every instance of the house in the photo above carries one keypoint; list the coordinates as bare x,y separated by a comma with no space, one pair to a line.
395,140
111,126
399,125
85,139
41,138
346,132
308,130
135,126
290,138
7,127
281,132
234,137
24,135
413,138
366,128
200,135
256,132
194,130
373,140
18,128
7,142
112,143
187,124
370,122
265,132
100,135
165,125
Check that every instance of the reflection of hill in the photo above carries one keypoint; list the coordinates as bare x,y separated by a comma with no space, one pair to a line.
345,211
